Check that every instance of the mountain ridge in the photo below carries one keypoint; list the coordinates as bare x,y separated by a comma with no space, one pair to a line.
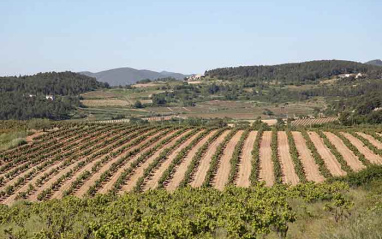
376,62
128,75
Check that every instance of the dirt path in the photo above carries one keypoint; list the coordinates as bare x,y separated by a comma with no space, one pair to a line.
35,134
245,164
138,172
330,160
371,139
311,169
363,149
348,155
286,162
224,168
204,164
90,181
266,164
152,182
182,168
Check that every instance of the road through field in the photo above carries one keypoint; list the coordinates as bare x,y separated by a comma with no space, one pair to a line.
289,175
363,149
311,169
204,164
330,160
222,173
245,164
266,165
348,155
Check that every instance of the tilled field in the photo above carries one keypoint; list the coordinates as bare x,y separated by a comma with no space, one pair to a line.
85,160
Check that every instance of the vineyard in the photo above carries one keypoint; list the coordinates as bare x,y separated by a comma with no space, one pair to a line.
88,159
318,121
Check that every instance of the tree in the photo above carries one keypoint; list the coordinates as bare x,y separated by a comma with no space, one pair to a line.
138,104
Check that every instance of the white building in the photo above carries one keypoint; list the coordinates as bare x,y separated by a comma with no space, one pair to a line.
49,97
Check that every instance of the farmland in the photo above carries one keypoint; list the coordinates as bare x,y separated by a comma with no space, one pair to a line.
88,159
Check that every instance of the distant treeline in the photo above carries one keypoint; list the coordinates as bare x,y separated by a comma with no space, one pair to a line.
52,83
297,73
24,97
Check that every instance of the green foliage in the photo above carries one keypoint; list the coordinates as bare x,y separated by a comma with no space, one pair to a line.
305,72
334,151
162,157
298,167
185,213
255,162
236,156
138,104
356,179
142,158
179,157
275,157
367,143
197,157
24,97
350,146
216,158
317,157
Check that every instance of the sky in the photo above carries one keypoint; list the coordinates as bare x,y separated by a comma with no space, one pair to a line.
183,36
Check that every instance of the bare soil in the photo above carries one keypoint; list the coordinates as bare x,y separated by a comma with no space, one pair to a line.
132,181
35,134
266,164
287,166
204,165
90,181
181,170
330,160
371,139
363,149
109,185
245,164
224,168
348,155
66,185
152,182
311,169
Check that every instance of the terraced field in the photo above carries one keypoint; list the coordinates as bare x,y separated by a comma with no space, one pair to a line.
87,159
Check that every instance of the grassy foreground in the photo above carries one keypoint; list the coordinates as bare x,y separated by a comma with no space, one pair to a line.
348,207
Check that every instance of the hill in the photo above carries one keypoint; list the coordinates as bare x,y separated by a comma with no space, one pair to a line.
376,62
26,97
127,75
301,73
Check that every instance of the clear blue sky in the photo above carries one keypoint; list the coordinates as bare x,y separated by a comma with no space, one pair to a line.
183,36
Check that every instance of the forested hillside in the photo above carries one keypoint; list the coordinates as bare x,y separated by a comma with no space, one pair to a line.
24,97
298,73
